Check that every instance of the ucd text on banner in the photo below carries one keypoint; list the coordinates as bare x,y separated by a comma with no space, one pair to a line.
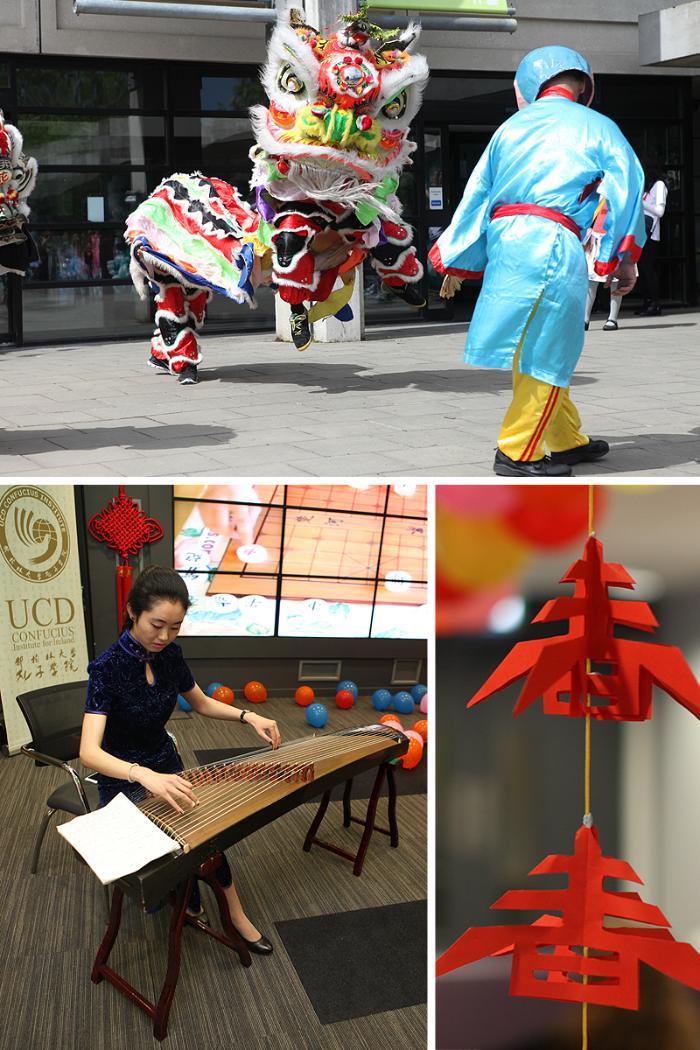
42,625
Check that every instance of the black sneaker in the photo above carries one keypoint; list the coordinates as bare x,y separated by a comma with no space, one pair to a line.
187,375
595,449
301,330
159,363
529,468
408,293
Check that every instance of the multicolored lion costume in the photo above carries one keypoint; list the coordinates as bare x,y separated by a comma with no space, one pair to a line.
329,151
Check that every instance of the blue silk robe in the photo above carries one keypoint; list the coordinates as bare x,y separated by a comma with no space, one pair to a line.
555,153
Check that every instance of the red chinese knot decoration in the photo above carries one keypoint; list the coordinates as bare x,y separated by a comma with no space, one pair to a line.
611,964
124,527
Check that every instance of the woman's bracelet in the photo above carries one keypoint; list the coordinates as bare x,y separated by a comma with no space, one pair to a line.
132,767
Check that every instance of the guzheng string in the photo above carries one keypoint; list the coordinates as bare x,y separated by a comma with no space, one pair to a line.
223,786
587,773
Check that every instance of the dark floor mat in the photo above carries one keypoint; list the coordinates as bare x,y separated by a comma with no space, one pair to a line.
362,962
408,781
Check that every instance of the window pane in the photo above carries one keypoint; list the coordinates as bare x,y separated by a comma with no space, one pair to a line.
216,145
89,88
408,499
56,140
75,196
92,313
4,75
190,90
88,255
238,612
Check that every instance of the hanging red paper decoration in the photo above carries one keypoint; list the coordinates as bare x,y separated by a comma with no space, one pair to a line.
607,973
124,527
556,669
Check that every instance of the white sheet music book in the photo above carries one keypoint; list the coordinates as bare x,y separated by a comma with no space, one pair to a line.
117,839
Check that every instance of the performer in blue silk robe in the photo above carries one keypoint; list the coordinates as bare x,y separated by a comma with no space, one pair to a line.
519,225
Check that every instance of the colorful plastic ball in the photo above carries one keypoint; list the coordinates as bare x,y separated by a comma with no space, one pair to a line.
255,692
421,727
344,699
424,705
418,692
212,687
316,715
403,703
414,754
223,694
347,684
391,721
381,700
304,695
182,703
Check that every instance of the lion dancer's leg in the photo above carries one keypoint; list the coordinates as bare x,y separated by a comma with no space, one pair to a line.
174,346
294,268
396,263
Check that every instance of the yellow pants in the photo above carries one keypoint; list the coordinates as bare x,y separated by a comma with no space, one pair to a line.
539,415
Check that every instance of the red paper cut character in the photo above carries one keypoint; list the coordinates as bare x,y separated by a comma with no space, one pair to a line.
623,673
611,965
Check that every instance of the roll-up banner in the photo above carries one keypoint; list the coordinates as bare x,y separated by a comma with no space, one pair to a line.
42,624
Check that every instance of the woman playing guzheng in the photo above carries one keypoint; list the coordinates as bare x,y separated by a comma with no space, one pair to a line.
132,692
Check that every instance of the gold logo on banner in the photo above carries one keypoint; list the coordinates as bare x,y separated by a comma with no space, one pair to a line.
34,537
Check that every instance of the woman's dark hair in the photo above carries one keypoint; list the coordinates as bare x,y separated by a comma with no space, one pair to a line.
154,584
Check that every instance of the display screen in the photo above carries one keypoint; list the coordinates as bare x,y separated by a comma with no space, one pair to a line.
303,560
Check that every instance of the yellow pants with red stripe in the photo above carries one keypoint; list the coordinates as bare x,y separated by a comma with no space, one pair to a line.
539,416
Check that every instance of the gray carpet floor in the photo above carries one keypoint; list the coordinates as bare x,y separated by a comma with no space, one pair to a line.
51,924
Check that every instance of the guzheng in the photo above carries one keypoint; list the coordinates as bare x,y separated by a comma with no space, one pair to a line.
237,796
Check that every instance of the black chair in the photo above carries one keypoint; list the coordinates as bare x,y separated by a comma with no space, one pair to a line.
54,716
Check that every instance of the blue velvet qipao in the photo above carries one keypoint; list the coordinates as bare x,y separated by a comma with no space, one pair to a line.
136,711
555,153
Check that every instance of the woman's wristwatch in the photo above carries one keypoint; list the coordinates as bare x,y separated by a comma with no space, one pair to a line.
242,716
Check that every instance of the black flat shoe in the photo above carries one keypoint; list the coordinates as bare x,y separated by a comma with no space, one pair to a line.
529,468
261,947
595,449
610,326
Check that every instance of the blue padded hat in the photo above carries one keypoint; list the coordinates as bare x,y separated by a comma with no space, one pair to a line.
542,64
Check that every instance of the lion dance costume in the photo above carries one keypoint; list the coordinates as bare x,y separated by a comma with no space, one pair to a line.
519,227
17,178
329,151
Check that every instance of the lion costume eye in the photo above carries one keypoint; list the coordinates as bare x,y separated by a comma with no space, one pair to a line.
396,108
288,81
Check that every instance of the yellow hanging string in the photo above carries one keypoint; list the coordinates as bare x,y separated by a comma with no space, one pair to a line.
587,776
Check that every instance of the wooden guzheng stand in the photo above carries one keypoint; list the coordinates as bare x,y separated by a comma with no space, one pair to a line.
236,797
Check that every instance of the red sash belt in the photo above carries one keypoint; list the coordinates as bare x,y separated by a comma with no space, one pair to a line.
534,209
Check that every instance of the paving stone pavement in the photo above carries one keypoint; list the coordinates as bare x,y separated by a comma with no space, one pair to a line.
399,403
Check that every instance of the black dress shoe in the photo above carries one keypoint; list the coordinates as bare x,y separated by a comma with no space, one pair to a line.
595,449
261,947
529,468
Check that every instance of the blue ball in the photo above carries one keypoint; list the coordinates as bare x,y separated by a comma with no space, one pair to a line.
381,700
350,686
403,703
181,702
316,715
212,686
418,692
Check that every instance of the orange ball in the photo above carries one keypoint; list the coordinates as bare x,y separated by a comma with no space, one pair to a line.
414,754
223,694
255,692
304,695
388,719
421,727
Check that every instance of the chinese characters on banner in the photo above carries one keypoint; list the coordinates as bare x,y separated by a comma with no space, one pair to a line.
42,626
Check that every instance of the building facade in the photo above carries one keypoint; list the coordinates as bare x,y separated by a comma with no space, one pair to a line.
111,104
